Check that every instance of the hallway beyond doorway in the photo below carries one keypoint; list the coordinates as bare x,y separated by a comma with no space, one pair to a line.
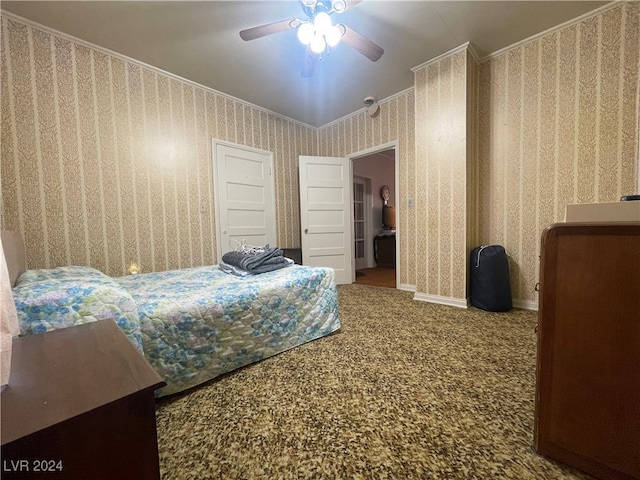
378,277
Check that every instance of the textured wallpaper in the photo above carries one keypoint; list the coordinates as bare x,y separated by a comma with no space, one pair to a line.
441,170
105,162
430,127
558,125
550,122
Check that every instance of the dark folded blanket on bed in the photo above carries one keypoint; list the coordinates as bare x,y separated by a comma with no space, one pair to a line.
264,260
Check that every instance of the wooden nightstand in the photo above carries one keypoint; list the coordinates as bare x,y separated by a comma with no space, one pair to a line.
79,404
384,251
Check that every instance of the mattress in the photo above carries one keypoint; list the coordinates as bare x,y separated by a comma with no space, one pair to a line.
194,324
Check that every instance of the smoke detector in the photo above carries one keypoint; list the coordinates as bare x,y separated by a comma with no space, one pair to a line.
373,106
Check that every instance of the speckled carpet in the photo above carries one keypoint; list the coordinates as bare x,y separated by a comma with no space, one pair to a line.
405,390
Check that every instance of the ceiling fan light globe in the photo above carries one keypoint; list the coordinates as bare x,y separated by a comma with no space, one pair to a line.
338,6
333,36
305,33
322,23
318,44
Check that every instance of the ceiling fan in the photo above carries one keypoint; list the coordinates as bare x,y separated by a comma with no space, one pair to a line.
318,33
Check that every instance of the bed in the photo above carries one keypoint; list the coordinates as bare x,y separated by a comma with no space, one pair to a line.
191,324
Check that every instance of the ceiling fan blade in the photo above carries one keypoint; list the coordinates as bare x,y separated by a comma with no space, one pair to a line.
309,63
361,43
352,3
269,29
341,6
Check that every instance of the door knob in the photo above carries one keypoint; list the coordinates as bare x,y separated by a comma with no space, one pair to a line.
306,230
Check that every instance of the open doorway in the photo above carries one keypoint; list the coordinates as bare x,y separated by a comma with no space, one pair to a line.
375,218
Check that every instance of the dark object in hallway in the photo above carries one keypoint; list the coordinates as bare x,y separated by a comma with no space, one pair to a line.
384,250
388,217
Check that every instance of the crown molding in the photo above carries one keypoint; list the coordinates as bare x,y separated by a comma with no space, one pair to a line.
364,109
84,43
554,29
464,46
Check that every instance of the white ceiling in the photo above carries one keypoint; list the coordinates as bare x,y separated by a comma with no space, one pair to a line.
199,41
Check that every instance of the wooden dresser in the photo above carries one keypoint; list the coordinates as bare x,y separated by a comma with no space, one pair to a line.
587,410
79,405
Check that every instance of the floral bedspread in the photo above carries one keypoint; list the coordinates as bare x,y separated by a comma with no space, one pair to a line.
192,324
48,299
198,323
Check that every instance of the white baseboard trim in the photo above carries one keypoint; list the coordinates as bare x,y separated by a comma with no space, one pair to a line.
460,303
526,304
452,302
407,287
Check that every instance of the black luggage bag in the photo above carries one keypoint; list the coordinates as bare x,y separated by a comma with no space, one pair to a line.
490,281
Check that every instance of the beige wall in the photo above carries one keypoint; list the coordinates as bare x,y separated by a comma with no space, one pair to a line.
550,122
443,213
473,161
558,125
359,133
105,162
430,127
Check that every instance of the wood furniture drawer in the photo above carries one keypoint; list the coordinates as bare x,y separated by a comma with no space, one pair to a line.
587,410
79,404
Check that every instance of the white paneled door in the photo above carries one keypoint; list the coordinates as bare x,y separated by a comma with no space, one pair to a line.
325,214
244,197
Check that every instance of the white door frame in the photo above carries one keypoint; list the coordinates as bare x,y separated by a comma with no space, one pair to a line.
214,160
396,173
